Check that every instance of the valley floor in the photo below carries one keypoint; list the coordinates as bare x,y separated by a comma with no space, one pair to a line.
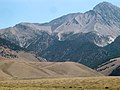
76,83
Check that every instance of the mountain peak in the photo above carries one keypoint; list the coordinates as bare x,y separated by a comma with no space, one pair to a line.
105,6
104,3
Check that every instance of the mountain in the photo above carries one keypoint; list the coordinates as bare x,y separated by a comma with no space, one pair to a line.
103,20
11,69
80,37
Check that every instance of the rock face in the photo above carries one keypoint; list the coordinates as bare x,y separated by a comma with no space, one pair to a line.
80,37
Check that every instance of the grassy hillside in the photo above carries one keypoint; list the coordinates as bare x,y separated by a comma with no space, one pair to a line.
81,83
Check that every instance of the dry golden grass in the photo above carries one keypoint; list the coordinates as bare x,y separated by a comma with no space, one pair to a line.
80,83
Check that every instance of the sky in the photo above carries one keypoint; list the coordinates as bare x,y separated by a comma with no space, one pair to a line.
39,11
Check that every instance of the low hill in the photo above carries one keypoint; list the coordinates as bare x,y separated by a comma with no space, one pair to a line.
11,69
111,67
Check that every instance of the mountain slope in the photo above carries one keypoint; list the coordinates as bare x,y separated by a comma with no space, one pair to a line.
8,44
111,67
76,50
11,51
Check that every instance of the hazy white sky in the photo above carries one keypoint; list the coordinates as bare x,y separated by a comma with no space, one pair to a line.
16,11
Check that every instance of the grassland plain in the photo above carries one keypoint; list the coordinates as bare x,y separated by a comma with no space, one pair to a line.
76,83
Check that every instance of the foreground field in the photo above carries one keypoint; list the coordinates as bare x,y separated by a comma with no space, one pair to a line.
82,83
